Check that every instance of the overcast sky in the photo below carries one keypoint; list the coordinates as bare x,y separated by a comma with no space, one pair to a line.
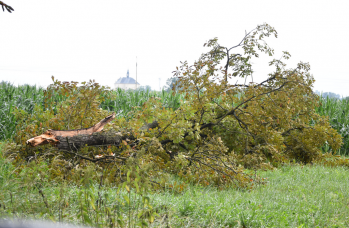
83,39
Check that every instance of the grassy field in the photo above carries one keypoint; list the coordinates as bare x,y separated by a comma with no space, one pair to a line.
294,196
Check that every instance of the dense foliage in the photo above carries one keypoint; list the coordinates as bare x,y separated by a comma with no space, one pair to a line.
217,131
25,97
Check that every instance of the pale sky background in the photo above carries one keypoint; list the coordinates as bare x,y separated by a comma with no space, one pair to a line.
83,39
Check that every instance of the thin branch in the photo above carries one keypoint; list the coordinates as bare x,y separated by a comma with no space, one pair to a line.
7,7
94,160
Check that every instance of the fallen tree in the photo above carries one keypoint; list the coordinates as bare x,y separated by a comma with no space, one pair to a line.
220,129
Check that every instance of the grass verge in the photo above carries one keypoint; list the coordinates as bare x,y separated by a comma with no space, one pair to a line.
295,196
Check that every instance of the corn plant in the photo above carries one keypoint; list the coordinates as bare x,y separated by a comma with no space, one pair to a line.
122,101
337,111
22,97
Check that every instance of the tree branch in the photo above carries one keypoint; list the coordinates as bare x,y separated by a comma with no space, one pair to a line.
7,7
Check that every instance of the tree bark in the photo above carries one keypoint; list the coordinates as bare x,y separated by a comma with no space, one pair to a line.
78,141
99,138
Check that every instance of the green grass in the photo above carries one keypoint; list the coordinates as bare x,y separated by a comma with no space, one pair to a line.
294,196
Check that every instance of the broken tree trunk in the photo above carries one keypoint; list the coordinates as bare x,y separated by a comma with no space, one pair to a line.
96,139
75,139
50,136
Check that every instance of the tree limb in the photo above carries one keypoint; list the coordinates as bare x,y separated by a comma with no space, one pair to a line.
7,7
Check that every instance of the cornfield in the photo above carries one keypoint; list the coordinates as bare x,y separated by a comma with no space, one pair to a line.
338,112
125,100
23,97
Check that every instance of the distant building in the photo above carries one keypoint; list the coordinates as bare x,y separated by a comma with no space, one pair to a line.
126,82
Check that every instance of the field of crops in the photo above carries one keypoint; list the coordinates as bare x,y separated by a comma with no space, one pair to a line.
25,97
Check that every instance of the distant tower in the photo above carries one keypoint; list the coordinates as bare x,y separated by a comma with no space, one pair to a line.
128,74
159,84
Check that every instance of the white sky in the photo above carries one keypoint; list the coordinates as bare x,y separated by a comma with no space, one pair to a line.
83,39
